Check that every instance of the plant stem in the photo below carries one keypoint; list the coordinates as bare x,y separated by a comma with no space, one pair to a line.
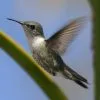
41,77
96,45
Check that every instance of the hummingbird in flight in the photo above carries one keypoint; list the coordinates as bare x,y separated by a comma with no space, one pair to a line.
47,52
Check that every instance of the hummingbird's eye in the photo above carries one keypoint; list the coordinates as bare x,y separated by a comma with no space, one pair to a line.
32,27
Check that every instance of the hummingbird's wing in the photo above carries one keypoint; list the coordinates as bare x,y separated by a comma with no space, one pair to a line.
61,39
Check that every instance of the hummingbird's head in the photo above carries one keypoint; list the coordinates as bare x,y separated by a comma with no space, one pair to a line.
30,27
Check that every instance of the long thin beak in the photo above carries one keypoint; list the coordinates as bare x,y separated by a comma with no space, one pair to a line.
15,21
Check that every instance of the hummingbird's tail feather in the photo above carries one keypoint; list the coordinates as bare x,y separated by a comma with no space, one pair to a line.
81,83
76,75
72,75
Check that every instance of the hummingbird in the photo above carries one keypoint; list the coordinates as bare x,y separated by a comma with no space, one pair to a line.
47,52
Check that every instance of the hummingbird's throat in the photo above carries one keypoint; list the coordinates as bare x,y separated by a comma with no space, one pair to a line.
38,42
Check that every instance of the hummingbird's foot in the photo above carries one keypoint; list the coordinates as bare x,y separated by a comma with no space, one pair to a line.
53,73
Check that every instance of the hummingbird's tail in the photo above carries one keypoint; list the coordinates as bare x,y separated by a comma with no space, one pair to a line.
72,75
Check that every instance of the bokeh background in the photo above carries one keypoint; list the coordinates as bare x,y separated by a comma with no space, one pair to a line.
15,84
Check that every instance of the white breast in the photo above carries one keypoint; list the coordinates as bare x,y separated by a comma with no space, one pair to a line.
38,42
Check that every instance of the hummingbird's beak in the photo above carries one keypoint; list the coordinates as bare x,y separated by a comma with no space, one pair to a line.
15,21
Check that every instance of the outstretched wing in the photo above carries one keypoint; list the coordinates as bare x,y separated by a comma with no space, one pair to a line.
61,39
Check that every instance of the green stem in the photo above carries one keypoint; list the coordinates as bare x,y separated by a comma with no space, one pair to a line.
26,62
96,45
